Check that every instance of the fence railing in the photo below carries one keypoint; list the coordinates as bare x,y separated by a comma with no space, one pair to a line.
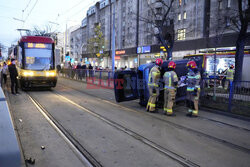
101,78
227,96
217,94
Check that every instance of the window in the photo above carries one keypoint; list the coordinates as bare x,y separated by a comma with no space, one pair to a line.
158,10
228,23
185,15
180,1
181,34
220,5
179,16
228,3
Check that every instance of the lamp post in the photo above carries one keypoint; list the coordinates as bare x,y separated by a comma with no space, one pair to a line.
113,38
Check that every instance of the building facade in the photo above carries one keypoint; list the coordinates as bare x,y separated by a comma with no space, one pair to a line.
197,24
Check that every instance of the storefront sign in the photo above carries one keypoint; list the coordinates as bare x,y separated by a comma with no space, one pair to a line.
120,52
135,60
146,56
117,57
144,49
67,58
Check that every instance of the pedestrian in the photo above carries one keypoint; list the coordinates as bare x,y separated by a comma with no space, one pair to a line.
58,67
79,71
90,70
193,88
229,76
153,85
13,77
171,81
4,71
83,67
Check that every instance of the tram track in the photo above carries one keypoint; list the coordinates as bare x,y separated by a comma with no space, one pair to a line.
91,160
85,157
200,117
198,133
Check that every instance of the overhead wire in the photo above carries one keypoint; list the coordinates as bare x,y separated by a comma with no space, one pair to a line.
66,11
26,6
82,8
30,11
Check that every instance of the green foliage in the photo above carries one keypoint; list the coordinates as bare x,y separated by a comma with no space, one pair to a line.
97,43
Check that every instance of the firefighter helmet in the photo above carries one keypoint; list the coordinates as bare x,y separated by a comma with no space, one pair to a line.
158,61
232,66
171,64
191,64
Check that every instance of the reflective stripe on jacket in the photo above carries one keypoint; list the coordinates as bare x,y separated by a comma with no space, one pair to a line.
193,80
230,74
170,78
154,76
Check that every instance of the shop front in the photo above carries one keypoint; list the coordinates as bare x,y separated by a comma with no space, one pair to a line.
126,58
147,54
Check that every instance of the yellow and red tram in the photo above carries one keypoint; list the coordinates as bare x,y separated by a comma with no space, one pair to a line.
36,62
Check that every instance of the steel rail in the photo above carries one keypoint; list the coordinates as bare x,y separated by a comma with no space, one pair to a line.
198,133
85,157
178,158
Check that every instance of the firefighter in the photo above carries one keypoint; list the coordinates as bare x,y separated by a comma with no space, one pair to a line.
153,85
229,76
193,88
171,80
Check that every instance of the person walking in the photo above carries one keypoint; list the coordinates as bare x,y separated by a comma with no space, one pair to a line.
193,88
171,81
4,71
153,85
13,77
83,68
90,70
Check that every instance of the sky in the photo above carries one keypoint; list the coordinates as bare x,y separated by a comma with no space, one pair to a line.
26,14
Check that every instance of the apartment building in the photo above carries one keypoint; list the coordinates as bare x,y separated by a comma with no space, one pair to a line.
197,24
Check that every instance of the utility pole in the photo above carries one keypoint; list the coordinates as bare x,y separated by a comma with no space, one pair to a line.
65,41
113,38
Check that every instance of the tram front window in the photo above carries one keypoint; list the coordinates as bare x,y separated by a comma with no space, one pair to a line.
38,59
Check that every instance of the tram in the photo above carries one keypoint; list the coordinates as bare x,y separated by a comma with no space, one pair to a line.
36,62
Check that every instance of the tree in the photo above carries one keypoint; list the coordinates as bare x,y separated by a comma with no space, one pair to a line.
241,23
162,23
43,31
96,44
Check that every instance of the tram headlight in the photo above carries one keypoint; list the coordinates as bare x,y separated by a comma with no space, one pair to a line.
50,74
28,74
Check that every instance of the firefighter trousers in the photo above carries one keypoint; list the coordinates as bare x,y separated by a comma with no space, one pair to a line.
193,102
153,94
169,98
227,83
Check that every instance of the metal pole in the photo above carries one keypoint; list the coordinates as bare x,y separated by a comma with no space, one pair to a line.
65,40
113,39
214,92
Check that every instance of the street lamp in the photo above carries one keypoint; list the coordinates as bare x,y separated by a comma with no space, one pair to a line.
113,37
